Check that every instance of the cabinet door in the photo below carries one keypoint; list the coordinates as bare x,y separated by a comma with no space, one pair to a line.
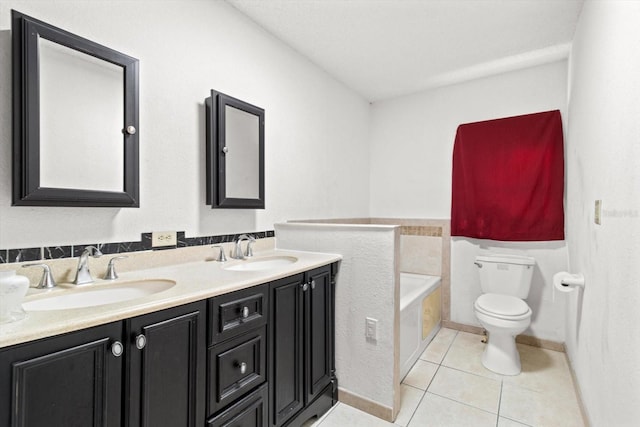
71,380
167,374
318,332
250,411
286,376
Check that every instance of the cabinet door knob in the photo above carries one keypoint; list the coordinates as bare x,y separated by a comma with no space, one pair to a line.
243,367
141,341
131,130
117,349
245,312
313,284
305,286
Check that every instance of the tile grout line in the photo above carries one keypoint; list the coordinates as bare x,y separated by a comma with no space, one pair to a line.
424,392
474,374
499,403
444,356
412,386
500,380
519,422
463,403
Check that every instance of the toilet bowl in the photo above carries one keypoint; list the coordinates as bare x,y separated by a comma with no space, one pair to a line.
503,317
501,310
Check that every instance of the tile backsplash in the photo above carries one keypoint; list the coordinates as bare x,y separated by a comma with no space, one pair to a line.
421,254
144,244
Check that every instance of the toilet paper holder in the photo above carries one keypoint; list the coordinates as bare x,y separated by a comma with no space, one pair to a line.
568,280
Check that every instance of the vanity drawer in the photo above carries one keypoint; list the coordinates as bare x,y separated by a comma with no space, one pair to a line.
248,412
237,312
236,367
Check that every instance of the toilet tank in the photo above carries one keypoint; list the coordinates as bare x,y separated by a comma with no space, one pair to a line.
505,274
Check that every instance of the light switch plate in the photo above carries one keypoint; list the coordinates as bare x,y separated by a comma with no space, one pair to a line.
598,212
371,329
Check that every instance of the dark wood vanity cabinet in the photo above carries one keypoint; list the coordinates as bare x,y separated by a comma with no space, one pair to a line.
302,380
143,371
71,380
166,363
237,355
257,357
250,411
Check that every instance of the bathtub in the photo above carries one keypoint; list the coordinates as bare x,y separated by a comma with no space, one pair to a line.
419,316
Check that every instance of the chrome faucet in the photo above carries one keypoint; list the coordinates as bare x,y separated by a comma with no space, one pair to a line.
83,275
47,281
237,252
221,255
111,268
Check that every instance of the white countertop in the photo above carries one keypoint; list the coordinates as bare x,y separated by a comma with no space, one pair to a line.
195,281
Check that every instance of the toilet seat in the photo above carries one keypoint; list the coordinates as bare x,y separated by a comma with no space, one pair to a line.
505,307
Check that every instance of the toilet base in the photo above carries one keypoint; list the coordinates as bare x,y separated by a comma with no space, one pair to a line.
501,354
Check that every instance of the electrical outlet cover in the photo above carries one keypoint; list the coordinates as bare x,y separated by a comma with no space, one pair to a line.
162,239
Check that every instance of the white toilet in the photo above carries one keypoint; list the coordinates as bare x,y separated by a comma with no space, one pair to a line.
505,281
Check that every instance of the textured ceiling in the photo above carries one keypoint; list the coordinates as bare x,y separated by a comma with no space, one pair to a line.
386,48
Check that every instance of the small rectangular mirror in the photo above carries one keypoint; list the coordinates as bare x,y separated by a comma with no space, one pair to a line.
235,153
75,126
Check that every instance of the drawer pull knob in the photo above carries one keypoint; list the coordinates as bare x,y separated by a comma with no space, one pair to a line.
117,349
245,312
141,341
243,367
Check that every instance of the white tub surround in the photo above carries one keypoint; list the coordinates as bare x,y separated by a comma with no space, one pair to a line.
195,281
366,287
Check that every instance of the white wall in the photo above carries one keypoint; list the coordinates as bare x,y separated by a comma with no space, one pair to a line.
316,129
366,287
412,136
411,148
603,149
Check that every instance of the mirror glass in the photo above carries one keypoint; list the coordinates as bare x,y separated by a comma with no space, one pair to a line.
80,139
234,153
242,155
75,116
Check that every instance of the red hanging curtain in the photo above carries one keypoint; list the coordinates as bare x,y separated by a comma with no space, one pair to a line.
508,179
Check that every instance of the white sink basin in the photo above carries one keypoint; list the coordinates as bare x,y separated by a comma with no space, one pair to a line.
259,264
106,294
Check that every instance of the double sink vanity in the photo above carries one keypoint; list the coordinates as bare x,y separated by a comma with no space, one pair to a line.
243,343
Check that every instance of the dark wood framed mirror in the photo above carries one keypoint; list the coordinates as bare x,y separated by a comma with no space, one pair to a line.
75,119
235,153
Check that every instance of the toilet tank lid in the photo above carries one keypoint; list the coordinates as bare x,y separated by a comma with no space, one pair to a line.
507,259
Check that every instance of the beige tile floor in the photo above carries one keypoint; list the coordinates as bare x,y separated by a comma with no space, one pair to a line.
448,386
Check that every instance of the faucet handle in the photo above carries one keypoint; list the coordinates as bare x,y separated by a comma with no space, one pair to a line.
249,251
221,257
92,251
46,281
111,268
